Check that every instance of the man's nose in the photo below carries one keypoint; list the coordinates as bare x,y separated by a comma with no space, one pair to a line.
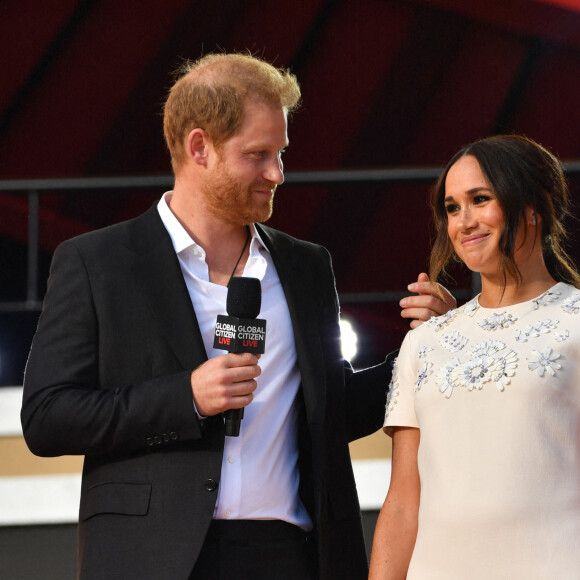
275,172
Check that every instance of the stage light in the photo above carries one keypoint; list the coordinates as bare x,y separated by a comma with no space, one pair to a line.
349,340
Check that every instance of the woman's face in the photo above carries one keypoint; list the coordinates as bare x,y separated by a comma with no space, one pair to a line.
475,219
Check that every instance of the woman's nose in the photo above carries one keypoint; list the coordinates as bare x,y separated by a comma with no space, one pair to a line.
466,218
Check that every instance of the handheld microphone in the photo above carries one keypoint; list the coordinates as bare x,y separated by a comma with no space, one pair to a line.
240,331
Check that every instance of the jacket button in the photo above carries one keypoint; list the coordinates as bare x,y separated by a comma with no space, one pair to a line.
149,441
157,440
174,436
165,438
211,485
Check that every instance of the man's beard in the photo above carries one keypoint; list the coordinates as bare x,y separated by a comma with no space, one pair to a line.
226,199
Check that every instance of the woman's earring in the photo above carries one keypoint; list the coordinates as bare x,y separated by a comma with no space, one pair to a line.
534,220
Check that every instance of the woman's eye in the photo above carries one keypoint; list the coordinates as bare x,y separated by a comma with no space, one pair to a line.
481,198
451,208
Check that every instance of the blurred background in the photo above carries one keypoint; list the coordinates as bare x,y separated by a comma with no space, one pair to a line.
391,89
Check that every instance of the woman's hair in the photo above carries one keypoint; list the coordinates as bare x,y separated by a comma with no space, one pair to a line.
211,93
521,174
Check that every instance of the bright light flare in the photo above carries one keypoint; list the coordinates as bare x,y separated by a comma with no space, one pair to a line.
349,340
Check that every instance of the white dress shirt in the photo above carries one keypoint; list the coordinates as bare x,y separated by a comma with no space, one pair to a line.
260,474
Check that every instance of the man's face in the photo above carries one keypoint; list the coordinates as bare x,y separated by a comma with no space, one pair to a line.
240,183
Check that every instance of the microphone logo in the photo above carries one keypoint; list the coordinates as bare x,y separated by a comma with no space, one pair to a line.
240,331
240,334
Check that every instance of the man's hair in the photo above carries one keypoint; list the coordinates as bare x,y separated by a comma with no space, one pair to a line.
522,174
211,94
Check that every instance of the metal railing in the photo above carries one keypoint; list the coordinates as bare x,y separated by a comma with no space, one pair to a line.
34,188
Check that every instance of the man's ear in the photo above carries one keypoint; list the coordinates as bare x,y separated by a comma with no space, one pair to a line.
197,146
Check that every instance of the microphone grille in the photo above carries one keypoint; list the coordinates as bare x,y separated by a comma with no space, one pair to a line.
244,297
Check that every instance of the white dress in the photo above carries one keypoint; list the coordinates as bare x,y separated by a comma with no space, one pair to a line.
495,393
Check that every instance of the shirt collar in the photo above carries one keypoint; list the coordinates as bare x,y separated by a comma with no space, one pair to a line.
181,240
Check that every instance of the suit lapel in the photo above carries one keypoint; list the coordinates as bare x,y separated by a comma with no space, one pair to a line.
304,315
157,270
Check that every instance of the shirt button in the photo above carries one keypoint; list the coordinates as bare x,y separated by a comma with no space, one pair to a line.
228,513
231,459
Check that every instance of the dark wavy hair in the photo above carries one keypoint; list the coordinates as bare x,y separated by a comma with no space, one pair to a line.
521,174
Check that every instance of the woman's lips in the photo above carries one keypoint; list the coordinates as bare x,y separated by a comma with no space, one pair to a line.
473,239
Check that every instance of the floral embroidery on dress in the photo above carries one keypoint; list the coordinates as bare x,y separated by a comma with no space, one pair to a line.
471,307
490,365
485,365
562,336
453,341
486,348
544,362
475,373
535,330
545,298
423,351
497,321
572,304
424,373
438,322
445,377
393,391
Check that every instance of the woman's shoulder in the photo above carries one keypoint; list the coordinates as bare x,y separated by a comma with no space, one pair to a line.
570,296
450,319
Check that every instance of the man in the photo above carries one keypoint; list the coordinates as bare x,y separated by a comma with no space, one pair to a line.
122,368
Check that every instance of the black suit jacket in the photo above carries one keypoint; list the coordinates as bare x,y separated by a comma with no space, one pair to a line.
108,377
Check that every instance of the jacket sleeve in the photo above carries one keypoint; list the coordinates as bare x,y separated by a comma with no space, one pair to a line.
364,391
66,409
366,395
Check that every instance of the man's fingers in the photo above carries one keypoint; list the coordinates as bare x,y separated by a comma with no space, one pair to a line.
241,374
241,394
427,301
225,382
235,381
420,314
424,287
235,359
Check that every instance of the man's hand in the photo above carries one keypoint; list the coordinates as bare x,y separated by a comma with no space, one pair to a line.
225,382
427,303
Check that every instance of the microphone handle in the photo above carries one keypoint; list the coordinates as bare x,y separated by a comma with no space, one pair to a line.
233,422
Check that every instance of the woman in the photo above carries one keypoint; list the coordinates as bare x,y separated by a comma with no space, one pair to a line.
484,405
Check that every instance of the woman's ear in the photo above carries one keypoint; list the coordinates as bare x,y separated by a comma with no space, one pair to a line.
532,217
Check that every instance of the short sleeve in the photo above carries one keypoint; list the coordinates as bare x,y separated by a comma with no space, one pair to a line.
400,407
